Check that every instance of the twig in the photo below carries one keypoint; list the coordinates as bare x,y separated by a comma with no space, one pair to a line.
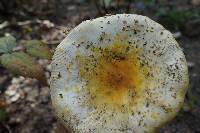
8,128
4,24
65,30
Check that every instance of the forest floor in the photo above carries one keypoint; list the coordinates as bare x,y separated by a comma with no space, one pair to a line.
27,102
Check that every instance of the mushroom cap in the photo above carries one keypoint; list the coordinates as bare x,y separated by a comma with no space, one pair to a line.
119,73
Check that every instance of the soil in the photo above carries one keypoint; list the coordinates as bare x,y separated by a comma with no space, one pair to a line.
27,102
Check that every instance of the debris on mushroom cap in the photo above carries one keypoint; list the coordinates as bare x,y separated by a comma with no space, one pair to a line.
119,73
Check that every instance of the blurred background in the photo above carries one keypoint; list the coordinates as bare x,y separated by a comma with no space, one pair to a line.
25,105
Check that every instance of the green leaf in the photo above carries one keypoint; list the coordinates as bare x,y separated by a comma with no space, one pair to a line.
20,63
37,48
3,115
7,44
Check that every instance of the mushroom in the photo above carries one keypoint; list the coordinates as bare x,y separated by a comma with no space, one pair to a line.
118,73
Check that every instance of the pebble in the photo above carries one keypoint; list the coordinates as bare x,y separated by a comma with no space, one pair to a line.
14,98
11,91
19,88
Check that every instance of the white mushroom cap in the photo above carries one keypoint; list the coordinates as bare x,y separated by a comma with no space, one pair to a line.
119,73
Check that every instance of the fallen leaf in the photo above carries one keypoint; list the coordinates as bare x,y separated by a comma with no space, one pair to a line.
7,44
3,115
37,48
20,63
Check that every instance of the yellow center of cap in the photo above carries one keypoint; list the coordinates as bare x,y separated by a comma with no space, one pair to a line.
113,76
